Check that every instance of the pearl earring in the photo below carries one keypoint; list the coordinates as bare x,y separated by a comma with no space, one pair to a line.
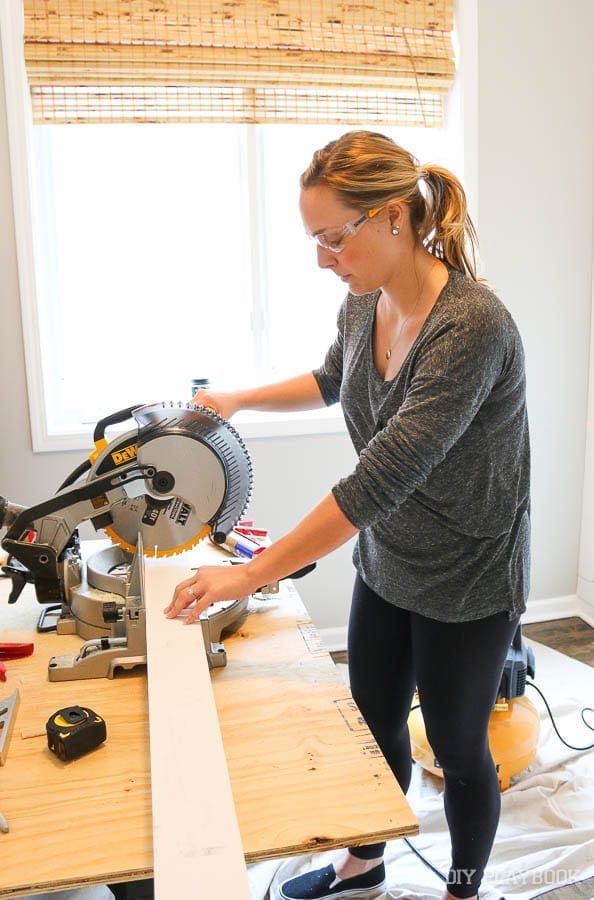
396,230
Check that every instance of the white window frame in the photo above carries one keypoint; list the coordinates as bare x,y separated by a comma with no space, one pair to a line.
462,123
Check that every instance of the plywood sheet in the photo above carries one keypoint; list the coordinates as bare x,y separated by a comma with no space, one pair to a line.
305,771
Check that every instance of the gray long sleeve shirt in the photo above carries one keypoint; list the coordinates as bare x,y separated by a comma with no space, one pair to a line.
440,493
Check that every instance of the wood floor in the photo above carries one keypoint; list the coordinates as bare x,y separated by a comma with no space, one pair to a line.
576,639
570,636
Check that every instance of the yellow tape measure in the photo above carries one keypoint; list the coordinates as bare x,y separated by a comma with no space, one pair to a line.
73,731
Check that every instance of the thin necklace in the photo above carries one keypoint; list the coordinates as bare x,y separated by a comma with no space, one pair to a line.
403,323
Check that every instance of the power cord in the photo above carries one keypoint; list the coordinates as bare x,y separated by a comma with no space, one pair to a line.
424,859
586,709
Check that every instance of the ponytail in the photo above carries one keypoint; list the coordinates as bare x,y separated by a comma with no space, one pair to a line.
442,221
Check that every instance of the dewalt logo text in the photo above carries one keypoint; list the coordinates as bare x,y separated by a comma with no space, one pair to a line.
125,455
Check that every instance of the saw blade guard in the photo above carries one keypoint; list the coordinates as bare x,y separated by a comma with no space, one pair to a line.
201,484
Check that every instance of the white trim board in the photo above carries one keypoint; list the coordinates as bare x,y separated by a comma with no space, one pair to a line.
585,587
546,610
19,119
196,841
586,600
549,608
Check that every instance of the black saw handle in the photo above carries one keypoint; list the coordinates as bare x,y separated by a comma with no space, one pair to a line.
114,419
98,435
300,572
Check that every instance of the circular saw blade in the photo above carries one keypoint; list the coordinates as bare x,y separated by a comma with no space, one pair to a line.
202,481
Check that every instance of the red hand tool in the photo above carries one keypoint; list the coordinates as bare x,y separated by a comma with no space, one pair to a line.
12,651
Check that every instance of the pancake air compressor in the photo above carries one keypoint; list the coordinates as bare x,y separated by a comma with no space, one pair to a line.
513,727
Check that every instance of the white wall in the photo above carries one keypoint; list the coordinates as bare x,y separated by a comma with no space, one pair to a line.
535,220
536,77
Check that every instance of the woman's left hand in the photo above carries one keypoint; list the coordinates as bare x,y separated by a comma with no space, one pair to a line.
207,585
323,529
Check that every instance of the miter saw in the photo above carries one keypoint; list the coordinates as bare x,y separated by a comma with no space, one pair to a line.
182,473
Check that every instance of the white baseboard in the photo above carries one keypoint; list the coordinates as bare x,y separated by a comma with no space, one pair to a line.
586,597
549,608
545,610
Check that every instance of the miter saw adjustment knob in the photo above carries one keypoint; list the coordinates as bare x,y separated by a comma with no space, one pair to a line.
111,612
163,482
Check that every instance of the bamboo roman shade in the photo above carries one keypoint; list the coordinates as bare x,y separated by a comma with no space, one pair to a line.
344,61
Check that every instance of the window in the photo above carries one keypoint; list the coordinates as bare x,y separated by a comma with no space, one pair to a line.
166,252
169,252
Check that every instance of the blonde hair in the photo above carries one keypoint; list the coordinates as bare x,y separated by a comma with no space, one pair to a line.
366,170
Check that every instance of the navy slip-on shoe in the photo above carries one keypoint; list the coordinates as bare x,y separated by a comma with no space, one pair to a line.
322,884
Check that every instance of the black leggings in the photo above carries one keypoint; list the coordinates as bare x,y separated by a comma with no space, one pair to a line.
456,668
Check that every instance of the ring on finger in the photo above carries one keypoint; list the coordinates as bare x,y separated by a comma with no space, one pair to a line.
191,592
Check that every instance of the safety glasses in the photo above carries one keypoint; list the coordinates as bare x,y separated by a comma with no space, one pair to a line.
334,239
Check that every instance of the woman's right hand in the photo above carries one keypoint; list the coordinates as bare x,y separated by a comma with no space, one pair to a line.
225,403
294,394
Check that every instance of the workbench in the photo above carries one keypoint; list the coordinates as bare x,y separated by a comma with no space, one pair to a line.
304,769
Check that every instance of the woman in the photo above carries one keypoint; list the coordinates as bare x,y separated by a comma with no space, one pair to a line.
429,368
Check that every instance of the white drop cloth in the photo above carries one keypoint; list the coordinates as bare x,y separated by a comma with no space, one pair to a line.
546,832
